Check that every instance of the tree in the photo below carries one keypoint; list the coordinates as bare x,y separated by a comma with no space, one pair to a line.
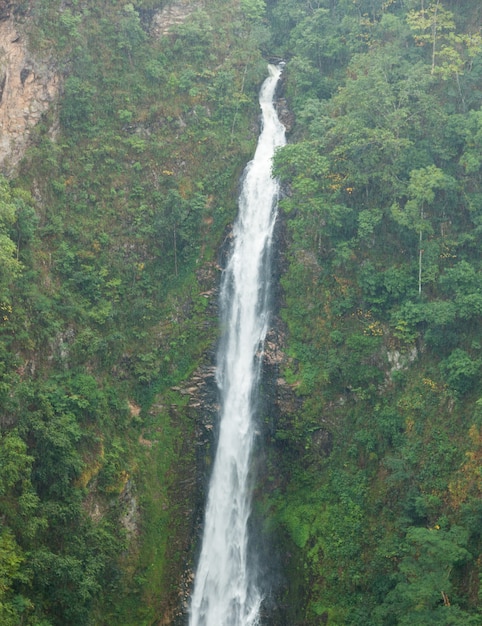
449,51
424,593
422,188
11,559
9,263
431,23
253,9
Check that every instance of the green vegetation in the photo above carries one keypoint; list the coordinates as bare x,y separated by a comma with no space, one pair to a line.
109,234
380,505
108,237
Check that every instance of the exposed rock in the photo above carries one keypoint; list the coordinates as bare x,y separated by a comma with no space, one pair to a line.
134,409
130,517
203,407
400,361
281,398
94,508
60,346
145,442
322,442
286,116
188,492
28,86
171,15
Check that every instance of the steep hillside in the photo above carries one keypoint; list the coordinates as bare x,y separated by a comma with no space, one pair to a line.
125,127
380,500
110,228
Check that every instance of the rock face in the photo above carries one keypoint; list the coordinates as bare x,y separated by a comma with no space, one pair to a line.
171,15
28,86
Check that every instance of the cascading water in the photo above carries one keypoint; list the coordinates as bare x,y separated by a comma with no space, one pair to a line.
225,590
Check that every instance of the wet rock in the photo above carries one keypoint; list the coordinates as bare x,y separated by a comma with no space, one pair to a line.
286,116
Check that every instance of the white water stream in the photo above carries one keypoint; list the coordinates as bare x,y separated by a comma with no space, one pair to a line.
225,589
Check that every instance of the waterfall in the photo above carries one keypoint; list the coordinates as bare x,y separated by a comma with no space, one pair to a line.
225,587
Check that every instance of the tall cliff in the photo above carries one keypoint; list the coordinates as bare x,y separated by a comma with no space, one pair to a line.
125,128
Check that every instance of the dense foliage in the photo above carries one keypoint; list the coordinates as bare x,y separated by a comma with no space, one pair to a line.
383,302
108,237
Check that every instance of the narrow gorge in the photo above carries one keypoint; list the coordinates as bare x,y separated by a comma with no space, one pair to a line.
180,442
